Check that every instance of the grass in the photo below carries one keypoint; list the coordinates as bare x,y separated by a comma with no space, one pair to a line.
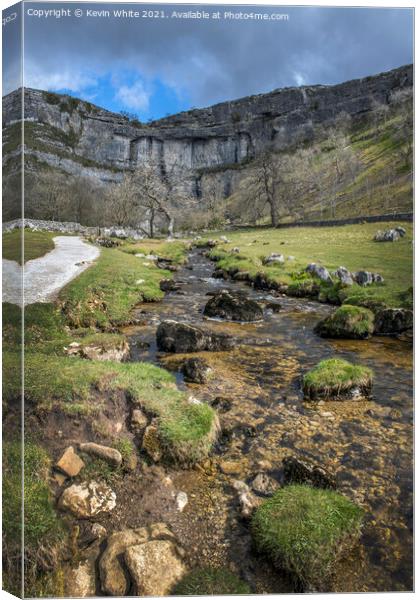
186,431
173,251
44,531
351,246
209,581
348,321
37,243
335,376
305,530
104,295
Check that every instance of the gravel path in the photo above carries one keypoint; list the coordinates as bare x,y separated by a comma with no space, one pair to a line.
45,276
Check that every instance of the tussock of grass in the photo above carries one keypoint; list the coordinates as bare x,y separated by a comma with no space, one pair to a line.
353,322
209,581
104,295
187,431
305,530
334,377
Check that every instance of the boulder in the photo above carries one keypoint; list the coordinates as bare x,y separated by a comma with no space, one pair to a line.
109,455
296,470
392,321
344,276
182,337
273,258
233,307
195,370
155,567
70,463
264,485
319,271
365,278
220,274
86,500
347,322
248,501
169,285
81,582
115,580
389,235
181,501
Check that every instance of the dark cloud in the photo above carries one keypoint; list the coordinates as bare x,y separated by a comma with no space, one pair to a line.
211,61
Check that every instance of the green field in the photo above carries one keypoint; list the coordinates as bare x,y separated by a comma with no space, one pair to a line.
37,243
350,246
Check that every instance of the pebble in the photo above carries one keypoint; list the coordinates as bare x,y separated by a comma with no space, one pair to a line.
181,501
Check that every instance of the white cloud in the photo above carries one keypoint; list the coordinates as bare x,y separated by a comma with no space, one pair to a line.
299,79
69,79
134,97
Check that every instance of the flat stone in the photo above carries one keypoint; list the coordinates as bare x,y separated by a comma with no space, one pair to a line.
70,463
87,499
110,455
181,501
155,567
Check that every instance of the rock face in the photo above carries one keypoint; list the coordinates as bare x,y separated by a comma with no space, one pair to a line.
151,557
86,140
392,321
182,337
233,307
87,499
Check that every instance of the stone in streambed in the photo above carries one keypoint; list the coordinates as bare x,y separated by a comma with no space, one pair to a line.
233,307
195,370
392,321
182,337
115,578
296,470
155,567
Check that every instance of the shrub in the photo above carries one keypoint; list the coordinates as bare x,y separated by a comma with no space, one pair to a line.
351,322
306,530
210,582
335,378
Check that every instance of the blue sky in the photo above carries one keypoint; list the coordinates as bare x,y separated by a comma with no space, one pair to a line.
154,67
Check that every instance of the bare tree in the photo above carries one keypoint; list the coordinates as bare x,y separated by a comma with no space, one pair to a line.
51,198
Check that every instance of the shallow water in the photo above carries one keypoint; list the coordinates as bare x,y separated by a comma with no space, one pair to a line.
367,446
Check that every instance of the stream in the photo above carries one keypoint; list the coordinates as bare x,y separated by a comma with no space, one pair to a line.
366,444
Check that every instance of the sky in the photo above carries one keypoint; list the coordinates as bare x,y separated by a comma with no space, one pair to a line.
161,65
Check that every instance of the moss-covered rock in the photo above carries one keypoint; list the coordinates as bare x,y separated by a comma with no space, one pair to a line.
337,379
349,322
211,582
305,530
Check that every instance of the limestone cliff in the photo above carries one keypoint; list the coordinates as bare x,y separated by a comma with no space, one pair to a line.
210,144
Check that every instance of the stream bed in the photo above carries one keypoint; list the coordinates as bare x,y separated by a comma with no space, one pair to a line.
366,444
